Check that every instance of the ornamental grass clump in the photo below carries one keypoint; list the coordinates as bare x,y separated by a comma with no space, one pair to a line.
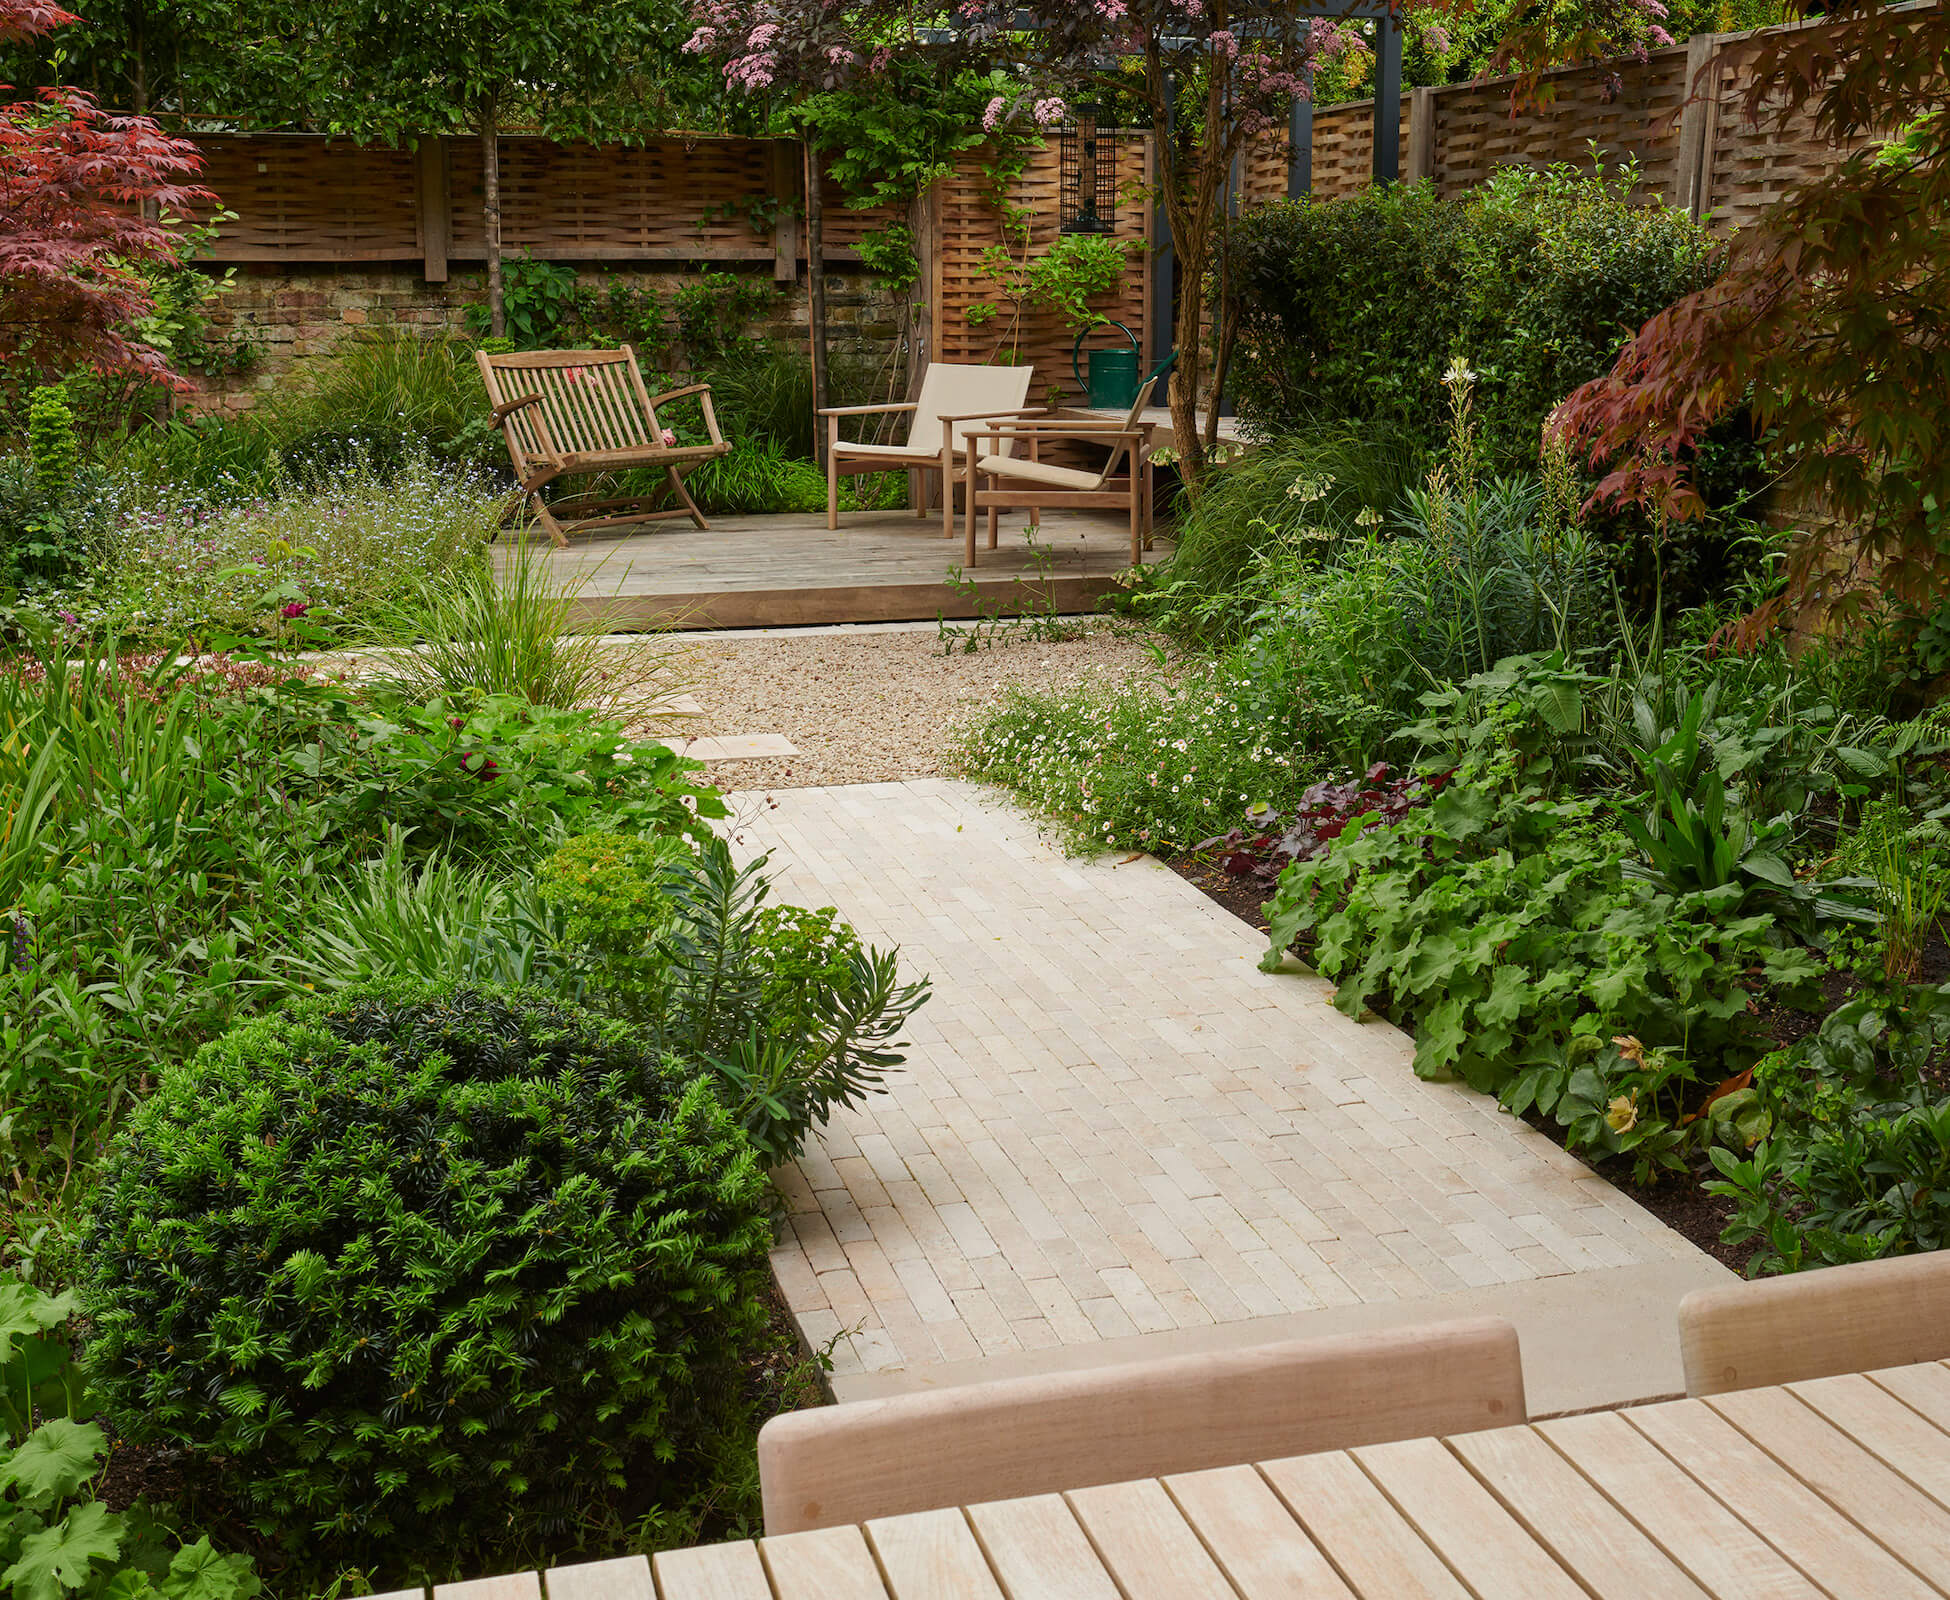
417,1272
514,627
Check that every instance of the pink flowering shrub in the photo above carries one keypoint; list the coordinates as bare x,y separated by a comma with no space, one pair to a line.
1246,67
765,44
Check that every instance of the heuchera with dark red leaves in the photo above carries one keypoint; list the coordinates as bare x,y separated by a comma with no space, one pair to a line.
81,197
1268,843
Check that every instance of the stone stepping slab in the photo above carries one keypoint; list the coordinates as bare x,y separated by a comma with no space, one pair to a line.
736,747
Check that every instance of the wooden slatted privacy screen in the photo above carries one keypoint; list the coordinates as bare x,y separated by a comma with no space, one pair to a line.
587,203
303,198
964,228
1709,159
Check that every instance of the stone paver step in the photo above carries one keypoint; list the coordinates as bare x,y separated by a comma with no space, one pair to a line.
736,747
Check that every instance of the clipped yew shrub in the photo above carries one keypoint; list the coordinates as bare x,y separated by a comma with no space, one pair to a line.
418,1272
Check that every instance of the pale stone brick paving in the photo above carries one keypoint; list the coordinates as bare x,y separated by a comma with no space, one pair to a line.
1110,1123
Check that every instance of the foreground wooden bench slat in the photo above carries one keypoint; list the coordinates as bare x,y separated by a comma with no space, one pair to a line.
1836,1486
712,1572
827,1564
933,1553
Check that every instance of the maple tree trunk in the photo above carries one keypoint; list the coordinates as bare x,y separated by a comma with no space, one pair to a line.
491,213
1182,390
1192,172
1225,327
1191,229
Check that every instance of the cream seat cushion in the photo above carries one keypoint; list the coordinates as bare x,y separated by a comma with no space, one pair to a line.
1040,472
850,447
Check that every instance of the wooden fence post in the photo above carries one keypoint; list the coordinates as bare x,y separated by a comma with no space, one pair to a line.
1698,121
1421,135
785,226
436,217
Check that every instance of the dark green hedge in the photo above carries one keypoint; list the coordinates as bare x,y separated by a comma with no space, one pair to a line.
416,1272
1352,308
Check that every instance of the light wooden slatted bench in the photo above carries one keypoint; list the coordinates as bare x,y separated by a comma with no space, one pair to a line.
575,412
1838,1486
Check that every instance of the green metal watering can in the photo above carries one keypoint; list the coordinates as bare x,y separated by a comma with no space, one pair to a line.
1113,382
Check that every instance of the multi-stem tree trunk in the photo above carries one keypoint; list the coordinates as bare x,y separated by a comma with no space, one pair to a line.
1190,174
816,290
1225,326
491,212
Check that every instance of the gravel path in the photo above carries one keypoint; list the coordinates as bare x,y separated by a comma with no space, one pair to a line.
872,707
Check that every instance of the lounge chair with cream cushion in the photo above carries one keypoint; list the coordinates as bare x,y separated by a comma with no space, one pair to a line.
954,396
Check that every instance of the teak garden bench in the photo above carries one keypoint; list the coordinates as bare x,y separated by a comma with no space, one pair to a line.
587,411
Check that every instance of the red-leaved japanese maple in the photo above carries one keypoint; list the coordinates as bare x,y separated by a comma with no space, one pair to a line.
82,198
1831,321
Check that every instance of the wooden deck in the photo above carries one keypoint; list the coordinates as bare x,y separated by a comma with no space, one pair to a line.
1837,1487
790,571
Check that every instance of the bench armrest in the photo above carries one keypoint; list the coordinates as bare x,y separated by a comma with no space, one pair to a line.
508,408
703,393
862,411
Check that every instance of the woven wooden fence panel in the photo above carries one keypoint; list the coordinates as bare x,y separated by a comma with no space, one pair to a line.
843,229
1630,109
1344,147
581,202
1263,174
306,198
1755,164
966,227
300,198
1475,132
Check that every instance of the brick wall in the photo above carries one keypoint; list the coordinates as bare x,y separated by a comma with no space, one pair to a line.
299,315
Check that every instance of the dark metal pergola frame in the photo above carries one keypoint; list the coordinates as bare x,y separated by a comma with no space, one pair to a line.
1300,139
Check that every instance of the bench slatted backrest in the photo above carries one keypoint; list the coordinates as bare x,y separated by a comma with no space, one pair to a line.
592,401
